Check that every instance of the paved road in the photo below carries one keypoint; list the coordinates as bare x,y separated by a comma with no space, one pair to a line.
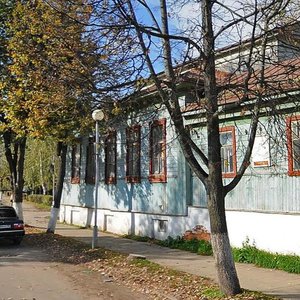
26,273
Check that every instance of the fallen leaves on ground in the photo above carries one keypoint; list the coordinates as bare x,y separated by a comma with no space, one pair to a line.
141,275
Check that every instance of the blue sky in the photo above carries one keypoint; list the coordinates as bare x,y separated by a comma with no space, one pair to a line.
186,20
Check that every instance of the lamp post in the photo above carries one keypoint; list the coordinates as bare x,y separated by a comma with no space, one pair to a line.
97,116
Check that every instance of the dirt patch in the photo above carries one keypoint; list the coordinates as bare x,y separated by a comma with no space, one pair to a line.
97,285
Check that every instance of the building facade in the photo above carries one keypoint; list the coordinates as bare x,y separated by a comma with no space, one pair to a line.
147,188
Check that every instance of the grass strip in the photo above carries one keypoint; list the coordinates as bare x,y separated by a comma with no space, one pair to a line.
246,254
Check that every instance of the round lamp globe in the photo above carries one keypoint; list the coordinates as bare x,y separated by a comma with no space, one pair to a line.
98,115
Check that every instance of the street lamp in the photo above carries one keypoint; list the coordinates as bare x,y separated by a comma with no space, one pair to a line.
97,116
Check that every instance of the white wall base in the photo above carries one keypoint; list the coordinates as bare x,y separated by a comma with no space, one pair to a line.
156,226
271,232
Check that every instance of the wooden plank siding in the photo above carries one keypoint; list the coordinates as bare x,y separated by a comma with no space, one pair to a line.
262,189
145,197
266,193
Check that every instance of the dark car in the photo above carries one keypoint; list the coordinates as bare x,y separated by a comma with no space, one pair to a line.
11,227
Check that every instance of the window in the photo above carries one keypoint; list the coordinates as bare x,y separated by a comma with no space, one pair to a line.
133,147
293,140
7,212
228,151
90,162
111,158
76,157
158,167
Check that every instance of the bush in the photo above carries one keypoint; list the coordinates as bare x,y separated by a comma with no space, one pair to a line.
246,254
204,248
40,199
197,246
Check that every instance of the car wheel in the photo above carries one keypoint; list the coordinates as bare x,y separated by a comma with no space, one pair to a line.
17,241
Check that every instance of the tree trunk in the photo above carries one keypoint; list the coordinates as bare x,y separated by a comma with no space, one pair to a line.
16,160
59,187
20,160
228,280
43,184
227,276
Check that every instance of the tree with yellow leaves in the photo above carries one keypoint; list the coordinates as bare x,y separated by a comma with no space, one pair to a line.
48,89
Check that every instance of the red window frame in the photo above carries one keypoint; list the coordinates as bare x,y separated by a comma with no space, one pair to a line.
229,174
158,148
75,164
133,154
291,162
111,158
90,162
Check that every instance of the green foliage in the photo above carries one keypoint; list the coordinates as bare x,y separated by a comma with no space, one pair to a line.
251,254
247,254
137,238
45,200
40,163
4,170
213,293
200,247
144,263
196,246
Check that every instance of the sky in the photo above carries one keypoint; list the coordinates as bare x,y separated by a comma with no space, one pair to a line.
185,19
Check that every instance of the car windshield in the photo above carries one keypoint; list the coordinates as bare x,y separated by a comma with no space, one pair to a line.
7,213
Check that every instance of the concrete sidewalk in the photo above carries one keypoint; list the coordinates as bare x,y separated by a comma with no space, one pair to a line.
272,282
